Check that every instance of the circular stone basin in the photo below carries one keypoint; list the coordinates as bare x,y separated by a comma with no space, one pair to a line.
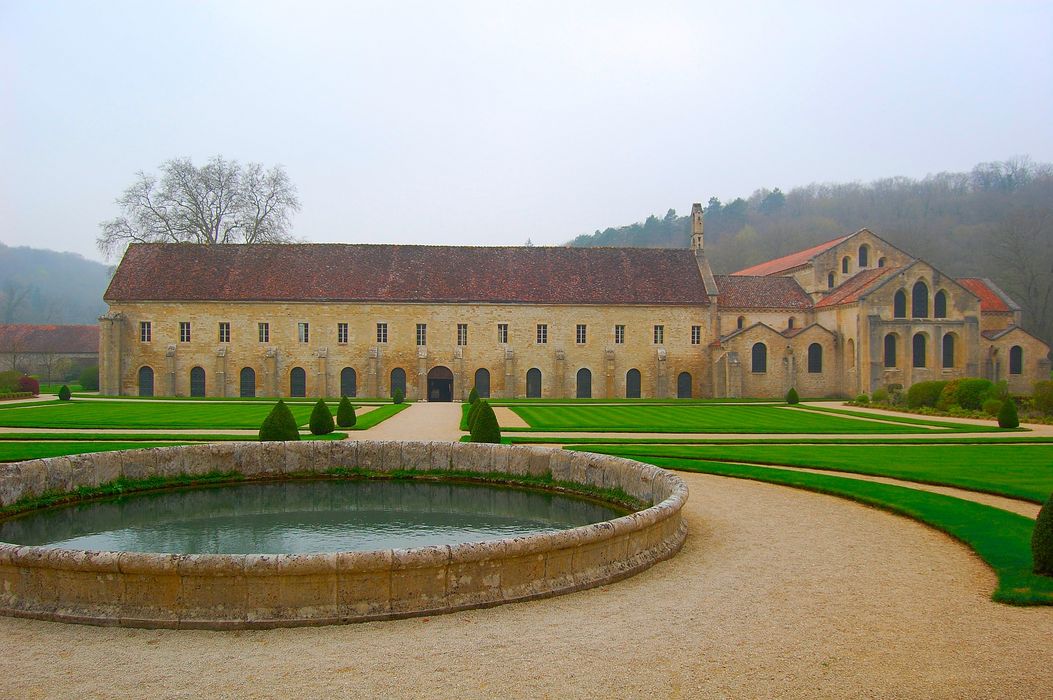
306,517
72,577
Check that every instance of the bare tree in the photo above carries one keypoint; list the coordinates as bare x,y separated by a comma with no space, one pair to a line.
220,202
12,298
53,363
1022,244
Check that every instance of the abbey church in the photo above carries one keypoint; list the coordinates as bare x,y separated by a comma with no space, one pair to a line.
845,317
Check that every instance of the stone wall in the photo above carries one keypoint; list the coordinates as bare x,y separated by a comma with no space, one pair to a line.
240,591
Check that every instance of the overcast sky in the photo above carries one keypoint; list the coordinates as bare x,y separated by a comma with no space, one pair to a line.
488,123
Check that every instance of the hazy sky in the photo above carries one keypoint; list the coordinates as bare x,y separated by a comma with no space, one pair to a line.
487,123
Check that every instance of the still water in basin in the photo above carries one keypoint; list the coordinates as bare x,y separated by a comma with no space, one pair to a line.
304,516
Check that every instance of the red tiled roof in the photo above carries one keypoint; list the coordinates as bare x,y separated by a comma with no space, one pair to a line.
738,292
990,298
788,262
24,337
407,273
854,287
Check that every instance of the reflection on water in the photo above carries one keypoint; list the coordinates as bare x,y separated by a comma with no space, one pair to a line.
304,516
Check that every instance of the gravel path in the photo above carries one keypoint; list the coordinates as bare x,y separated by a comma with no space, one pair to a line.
777,593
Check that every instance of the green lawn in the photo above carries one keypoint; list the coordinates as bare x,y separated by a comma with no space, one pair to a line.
163,416
54,387
18,451
714,418
1002,539
1016,471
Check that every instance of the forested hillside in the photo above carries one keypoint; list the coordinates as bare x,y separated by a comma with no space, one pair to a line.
45,286
995,221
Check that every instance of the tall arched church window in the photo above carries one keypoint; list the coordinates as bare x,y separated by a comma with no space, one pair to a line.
830,281
939,304
899,305
815,358
1016,360
919,300
864,256
844,265
760,358
918,359
890,350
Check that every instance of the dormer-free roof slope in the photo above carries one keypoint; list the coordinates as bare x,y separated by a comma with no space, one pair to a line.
407,273
992,299
791,261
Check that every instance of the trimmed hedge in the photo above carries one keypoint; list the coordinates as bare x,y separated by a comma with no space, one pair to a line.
89,378
925,394
9,381
792,397
1007,417
321,419
862,398
969,393
279,425
486,428
992,407
345,413
64,393
1042,540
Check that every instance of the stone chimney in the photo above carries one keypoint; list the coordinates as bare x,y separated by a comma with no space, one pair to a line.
696,227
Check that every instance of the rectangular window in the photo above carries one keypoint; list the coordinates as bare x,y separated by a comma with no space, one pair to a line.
341,332
382,332
184,331
502,332
659,335
265,332
619,335
542,333
579,334
462,333
422,334
224,331
303,331
696,335
145,332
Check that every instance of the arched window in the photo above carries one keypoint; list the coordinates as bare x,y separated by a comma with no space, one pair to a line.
297,382
919,300
760,358
881,262
247,381
632,384
398,380
1016,360
584,383
348,382
948,351
533,383
844,265
741,322
899,305
789,324
815,358
864,256
197,382
146,381
830,281
851,352
482,382
918,354
890,350
683,385
939,304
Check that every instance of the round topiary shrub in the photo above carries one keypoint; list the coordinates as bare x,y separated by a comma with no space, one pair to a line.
321,419
345,413
89,378
862,398
473,395
792,397
398,396
925,393
64,394
486,428
1007,416
280,424
1042,540
991,407
880,396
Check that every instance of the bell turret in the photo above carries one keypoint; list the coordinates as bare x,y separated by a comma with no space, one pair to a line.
696,226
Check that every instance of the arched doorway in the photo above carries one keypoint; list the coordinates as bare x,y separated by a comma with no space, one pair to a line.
297,382
482,382
348,382
197,381
440,384
632,384
683,385
398,381
146,381
248,382
584,383
534,383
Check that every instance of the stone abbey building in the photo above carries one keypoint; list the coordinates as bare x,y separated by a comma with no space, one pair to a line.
842,318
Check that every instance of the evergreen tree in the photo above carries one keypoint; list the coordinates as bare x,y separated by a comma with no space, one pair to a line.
473,413
1007,416
792,397
321,419
473,395
280,424
345,413
63,393
486,428
1042,540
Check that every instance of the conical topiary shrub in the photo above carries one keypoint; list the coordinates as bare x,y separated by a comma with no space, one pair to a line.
1007,416
321,419
473,413
398,396
280,424
473,395
486,428
792,397
63,393
1042,540
345,413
